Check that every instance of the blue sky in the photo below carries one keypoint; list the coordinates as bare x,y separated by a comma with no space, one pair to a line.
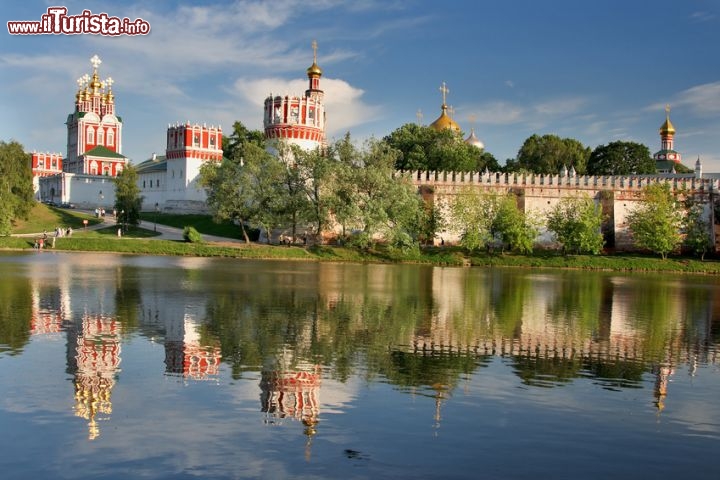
594,71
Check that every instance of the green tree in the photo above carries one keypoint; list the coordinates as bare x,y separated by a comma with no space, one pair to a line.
697,230
576,223
128,201
513,227
655,223
319,175
549,154
342,197
473,214
229,193
621,158
16,189
233,145
424,148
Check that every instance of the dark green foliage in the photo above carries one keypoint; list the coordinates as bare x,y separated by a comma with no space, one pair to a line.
191,235
424,148
549,154
16,189
128,201
621,158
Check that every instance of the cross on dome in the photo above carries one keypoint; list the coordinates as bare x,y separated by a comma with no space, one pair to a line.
109,82
81,82
314,47
86,79
419,116
95,61
444,90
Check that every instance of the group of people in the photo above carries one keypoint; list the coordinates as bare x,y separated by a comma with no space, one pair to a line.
41,242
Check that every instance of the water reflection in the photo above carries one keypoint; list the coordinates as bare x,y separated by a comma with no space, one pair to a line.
422,330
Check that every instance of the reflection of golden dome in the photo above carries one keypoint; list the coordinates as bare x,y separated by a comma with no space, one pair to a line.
444,122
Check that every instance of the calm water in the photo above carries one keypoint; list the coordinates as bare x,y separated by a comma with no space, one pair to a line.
152,367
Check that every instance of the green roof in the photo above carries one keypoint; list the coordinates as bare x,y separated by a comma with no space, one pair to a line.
102,151
158,164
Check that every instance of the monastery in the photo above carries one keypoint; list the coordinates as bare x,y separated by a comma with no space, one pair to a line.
169,182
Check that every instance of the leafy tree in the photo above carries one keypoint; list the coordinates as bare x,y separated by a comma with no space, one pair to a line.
233,145
549,154
424,148
697,230
576,223
319,175
229,192
386,205
128,201
621,158
656,222
292,198
16,189
342,197
473,214
513,227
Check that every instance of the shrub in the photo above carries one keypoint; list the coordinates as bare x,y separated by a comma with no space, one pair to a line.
191,235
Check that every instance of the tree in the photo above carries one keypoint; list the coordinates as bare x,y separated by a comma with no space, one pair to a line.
655,223
229,193
697,230
513,227
576,223
319,175
473,214
424,148
233,145
127,196
16,189
621,158
549,154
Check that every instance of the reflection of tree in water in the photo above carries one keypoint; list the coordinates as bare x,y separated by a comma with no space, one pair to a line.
15,313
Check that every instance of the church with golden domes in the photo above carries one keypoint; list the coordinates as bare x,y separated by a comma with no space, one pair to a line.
446,122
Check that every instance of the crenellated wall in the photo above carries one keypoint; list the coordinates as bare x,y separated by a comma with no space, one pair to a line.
539,194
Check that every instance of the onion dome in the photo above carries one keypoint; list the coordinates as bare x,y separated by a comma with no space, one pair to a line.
473,140
444,122
667,127
314,70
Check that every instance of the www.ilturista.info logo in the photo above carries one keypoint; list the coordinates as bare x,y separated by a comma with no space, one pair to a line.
57,22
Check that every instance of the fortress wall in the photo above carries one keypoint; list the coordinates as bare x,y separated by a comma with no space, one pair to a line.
539,194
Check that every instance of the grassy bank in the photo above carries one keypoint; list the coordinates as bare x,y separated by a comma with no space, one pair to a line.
46,218
137,243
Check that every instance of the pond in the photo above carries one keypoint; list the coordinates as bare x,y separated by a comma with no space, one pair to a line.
120,366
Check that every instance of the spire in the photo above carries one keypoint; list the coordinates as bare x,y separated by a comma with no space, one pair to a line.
314,70
667,127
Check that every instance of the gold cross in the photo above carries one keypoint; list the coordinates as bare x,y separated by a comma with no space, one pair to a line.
444,91
419,116
314,47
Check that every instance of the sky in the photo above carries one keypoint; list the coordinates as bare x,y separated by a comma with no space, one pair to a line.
597,72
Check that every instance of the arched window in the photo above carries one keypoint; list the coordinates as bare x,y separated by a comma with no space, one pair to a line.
90,133
110,137
100,136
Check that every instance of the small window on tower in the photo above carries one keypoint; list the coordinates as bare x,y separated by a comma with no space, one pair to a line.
196,140
90,135
212,140
110,137
100,136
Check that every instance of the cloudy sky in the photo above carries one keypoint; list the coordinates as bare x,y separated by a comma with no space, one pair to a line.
594,71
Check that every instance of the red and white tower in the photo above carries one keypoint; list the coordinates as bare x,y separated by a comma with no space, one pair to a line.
667,151
188,147
44,165
297,120
94,143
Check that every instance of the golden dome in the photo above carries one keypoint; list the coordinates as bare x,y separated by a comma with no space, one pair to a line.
667,128
314,70
444,122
